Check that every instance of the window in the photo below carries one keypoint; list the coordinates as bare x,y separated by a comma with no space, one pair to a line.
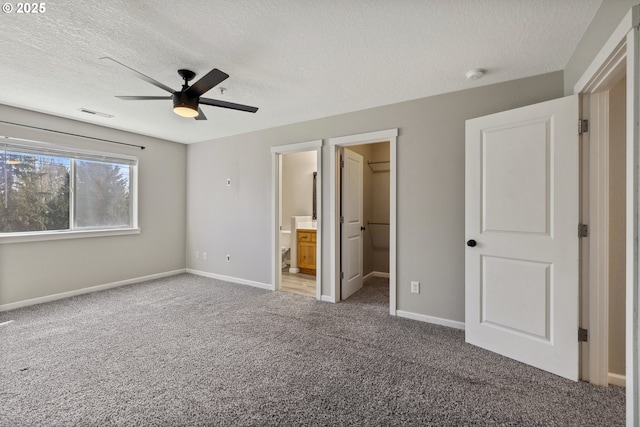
47,189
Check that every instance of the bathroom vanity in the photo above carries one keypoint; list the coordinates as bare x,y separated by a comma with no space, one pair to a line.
307,251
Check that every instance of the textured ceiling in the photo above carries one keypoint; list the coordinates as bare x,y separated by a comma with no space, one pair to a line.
295,60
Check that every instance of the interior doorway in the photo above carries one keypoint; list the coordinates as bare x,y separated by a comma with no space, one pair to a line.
375,146
364,210
603,253
297,206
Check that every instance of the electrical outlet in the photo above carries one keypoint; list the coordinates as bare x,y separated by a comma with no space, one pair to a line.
197,254
228,182
204,256
228,258
415,287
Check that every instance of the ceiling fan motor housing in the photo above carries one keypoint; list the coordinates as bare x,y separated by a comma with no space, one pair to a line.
181,99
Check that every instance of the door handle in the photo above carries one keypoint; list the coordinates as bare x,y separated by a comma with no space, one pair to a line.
471,243
363,228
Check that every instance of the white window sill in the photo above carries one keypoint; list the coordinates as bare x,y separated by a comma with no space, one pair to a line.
39,236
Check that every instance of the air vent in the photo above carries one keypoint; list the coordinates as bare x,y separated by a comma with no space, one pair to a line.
95,113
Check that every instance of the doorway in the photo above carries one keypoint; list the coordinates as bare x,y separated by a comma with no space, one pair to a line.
364,207
603,253
364,140
297,206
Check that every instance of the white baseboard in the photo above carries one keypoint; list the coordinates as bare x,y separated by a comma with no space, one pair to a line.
430,319
48,298
232,279
327,298
376,274
616,379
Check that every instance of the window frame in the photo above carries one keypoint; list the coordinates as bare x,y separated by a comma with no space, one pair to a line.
77,154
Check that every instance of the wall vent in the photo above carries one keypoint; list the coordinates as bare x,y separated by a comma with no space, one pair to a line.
95,113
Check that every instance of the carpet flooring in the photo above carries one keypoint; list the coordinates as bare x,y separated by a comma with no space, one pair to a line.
189,350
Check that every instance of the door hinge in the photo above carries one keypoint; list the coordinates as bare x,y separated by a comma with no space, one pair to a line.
583,230
341,163
341,220
583,335
341,275
583,126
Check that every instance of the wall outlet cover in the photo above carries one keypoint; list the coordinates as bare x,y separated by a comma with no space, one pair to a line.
415,287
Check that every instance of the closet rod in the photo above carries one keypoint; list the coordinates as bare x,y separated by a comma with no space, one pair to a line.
377,223
73,134
383,161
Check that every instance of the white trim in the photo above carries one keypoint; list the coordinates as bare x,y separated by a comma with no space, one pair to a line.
327,298
230,279
276,208
617,379
601,69
334,228
38,236
632,370
54,297
602,59
364,138
297,147
376,274
430,319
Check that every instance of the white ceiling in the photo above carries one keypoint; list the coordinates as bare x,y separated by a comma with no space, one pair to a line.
294,59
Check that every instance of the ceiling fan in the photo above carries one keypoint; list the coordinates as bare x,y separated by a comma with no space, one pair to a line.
186,102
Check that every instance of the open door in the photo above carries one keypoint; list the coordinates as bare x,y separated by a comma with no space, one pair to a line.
521,215
352,226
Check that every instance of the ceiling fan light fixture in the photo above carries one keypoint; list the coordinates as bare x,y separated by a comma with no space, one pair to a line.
185,111
185,106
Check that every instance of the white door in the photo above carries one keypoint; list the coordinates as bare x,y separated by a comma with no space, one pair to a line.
521,277
352,201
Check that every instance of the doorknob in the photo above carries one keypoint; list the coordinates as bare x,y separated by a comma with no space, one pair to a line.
471,243
363,228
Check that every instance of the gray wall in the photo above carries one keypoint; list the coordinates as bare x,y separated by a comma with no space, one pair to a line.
602,26
297,185
31,270
237,220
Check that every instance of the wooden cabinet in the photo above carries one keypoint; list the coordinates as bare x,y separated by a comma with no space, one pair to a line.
307,251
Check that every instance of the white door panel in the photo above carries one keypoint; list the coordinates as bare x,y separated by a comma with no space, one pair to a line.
352,211
521,295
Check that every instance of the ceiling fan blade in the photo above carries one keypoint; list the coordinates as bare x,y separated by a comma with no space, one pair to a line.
143,77
200,115
211,79
143,98
230,105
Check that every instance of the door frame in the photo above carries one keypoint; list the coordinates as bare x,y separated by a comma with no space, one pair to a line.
335,144
622,47
276,208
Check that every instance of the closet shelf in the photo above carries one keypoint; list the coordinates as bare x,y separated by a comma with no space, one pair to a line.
383,166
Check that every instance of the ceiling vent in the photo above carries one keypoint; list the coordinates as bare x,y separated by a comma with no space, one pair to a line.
95,113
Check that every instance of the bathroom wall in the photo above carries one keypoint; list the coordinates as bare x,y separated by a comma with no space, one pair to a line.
297,185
